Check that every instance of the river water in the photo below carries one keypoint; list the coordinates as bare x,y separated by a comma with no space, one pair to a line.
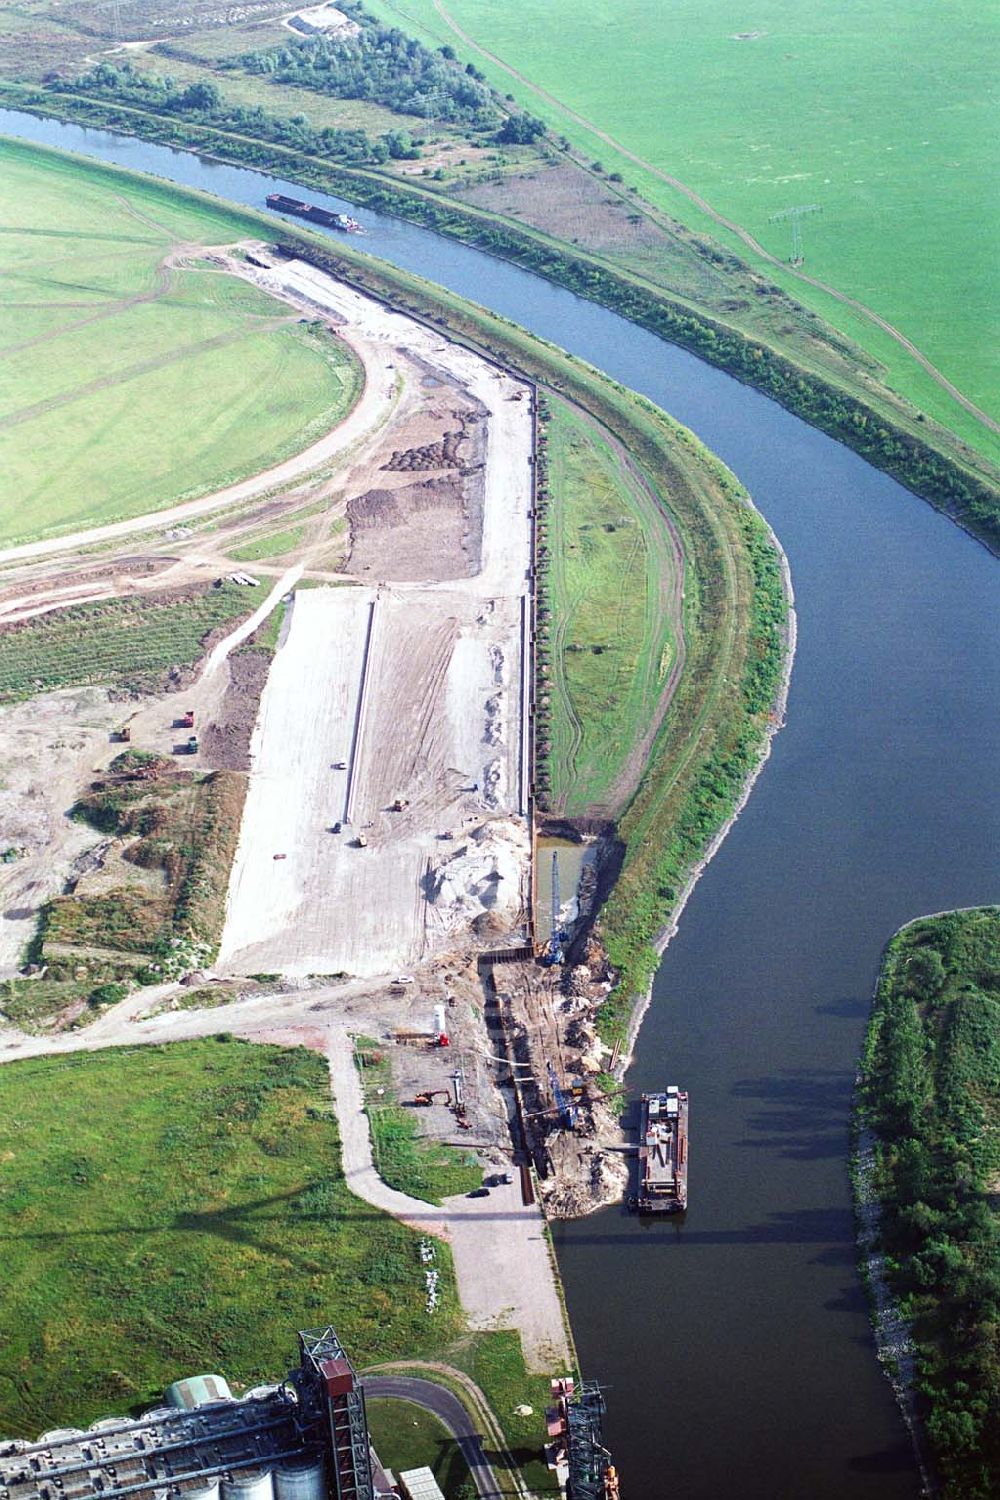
735,1347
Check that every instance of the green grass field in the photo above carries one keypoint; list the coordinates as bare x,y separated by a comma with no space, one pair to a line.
881,114
612,644
130,384
173,1209
407,1437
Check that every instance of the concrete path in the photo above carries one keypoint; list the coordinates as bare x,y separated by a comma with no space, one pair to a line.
355,1138
503,1266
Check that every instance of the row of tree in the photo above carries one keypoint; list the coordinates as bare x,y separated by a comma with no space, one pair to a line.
923,468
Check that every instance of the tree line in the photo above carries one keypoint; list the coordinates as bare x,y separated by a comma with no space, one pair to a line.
930,1092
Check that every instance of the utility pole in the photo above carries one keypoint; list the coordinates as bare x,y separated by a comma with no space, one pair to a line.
796,215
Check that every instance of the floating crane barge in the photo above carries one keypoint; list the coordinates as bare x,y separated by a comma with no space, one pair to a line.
663,1153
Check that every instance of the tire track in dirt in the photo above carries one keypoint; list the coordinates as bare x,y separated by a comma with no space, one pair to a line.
163,283
861,308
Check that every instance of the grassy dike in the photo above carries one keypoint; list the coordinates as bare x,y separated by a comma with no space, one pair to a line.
926,1176
860,413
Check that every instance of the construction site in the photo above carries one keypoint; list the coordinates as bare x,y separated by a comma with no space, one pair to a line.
387,882
389,831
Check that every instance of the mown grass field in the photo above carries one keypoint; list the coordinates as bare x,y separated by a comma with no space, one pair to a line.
612,644
407,1437
195,1224
130,384
881,114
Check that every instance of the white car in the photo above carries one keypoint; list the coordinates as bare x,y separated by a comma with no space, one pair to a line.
403,979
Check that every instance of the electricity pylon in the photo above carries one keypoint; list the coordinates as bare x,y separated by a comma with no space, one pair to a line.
796,215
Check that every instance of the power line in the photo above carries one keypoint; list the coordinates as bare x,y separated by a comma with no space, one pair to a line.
796,215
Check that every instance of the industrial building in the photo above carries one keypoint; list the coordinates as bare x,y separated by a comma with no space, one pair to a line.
305,1439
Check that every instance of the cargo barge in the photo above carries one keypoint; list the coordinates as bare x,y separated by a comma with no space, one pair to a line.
313,213
663,1153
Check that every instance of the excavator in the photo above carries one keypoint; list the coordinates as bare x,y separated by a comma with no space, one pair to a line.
426,1099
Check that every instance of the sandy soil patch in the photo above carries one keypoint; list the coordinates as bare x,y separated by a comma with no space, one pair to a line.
330,905
47,747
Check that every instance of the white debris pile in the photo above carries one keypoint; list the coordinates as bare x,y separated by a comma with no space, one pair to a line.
482,875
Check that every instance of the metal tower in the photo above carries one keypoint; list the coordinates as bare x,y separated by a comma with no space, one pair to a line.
591,1473
333,1398
796,215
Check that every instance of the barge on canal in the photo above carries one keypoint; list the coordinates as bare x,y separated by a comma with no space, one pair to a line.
663,1153
312,212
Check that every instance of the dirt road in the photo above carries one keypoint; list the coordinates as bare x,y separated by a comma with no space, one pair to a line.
372,411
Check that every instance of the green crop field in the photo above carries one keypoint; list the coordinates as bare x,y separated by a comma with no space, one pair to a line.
881,114
131,383
612,646
194,1225
122,642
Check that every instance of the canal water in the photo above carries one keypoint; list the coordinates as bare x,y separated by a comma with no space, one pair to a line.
735,1347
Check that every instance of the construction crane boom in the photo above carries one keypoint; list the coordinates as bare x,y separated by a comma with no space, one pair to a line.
554,954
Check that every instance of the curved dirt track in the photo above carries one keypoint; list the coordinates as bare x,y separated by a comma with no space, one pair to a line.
744,234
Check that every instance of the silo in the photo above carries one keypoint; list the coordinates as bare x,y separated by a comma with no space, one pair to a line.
249,1484
300,1479
261,1392
61,1434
